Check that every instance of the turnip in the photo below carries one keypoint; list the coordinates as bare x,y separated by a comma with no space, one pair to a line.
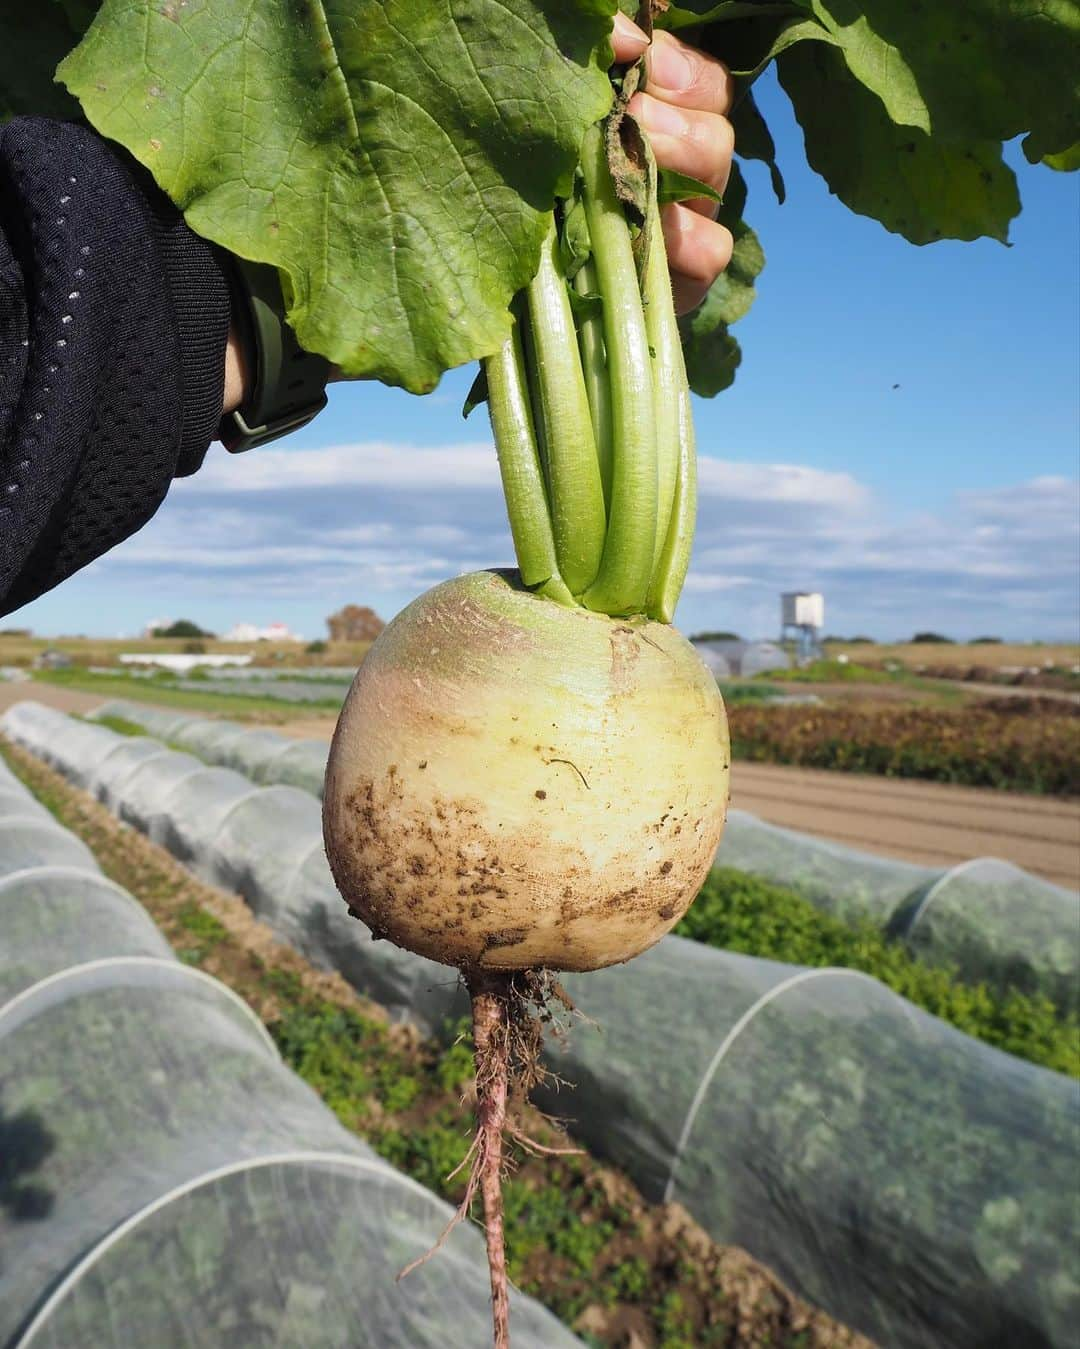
530,771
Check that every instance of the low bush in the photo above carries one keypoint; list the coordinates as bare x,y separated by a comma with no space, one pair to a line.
737,912
977,745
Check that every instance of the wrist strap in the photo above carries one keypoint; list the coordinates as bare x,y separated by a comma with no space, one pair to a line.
288,383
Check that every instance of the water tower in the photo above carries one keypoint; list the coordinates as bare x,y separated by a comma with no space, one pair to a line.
802,619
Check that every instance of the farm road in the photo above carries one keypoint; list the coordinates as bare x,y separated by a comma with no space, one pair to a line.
926,822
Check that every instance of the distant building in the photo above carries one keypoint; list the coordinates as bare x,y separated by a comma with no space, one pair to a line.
802,618
249,632
735,658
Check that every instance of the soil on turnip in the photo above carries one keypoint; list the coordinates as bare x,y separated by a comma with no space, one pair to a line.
622,1272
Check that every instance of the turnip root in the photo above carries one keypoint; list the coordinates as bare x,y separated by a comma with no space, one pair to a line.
517,785
530,772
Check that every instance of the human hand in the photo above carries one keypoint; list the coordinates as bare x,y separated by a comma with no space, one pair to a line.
684,110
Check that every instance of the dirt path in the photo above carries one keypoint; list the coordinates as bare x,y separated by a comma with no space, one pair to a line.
924,822
71,701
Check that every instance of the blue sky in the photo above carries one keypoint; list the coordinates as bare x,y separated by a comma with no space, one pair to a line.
948,503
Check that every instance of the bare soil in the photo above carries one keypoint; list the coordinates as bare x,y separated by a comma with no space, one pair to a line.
928,822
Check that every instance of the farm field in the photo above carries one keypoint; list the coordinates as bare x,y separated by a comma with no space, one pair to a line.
900,1072
584,1242
915,821
994,655
86,651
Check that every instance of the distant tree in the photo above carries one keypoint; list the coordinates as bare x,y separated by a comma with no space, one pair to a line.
354,623
183,627
931,637
716,637
851,641
315,648
986,641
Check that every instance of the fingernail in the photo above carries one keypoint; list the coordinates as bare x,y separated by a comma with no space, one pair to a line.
628,30
670,66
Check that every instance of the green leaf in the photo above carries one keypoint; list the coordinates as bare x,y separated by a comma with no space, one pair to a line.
754,141
675,186
967,70
712,358
478,393
712,355
922,187
574,243
1068,161
396,161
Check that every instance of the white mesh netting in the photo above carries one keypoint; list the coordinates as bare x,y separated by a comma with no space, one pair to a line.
913,1181
164,1178
991,920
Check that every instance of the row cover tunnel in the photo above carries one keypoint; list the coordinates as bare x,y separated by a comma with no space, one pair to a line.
164,1178
914,1182
991,920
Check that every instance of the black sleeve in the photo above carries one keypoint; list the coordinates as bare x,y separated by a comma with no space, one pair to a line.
113,322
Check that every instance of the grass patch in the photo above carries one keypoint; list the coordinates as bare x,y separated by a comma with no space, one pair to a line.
831,672
737,912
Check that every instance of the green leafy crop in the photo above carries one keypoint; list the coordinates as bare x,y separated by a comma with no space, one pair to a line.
397,159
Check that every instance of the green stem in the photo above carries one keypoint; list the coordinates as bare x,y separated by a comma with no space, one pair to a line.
677,462
669,374
594,366
622,583
573,471
675,555
519,465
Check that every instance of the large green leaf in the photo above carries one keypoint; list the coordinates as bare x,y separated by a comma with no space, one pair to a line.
969,70
917,185
395,159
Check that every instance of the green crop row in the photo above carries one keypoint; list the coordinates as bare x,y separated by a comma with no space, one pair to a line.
740,913
977,746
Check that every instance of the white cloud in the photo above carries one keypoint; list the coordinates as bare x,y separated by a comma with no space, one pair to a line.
377,523
457,468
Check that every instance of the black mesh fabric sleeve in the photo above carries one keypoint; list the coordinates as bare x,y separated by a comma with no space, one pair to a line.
114,318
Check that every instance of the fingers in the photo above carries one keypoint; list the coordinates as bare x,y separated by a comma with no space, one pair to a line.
675,72
698,250
696,143
627,39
